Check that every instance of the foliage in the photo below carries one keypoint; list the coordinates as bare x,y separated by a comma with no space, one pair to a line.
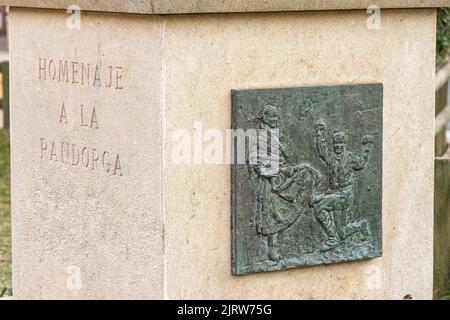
442,37
5,219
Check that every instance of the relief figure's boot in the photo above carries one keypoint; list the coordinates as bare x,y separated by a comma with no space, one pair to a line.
364,231
273,247
354,227
326,220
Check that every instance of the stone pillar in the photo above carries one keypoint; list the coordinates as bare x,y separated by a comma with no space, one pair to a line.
100,209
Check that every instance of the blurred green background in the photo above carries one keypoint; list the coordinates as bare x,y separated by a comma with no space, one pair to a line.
5,220
442,37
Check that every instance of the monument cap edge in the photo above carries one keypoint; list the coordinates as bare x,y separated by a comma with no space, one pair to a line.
162,7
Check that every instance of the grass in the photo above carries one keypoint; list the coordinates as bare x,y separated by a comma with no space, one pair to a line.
5,217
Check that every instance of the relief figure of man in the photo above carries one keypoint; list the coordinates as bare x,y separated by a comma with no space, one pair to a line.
334,208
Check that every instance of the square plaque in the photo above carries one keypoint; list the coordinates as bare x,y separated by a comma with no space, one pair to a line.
306,176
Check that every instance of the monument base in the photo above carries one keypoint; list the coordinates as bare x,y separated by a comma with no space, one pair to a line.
161,229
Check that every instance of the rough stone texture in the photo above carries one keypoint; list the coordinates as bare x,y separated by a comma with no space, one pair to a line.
111,227
68,217
206,56
222,6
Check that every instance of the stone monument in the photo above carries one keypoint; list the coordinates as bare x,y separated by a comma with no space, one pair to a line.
122,113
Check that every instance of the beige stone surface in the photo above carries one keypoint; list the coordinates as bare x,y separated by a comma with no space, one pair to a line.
70,220
207,56
163,230
216,6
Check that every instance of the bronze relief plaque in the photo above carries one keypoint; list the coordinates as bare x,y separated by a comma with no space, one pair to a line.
306,176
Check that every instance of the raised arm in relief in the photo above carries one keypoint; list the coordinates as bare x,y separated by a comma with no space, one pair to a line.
321,142
359,162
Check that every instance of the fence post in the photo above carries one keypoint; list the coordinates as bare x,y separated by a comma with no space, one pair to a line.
441,264
441,283
5,77
440,146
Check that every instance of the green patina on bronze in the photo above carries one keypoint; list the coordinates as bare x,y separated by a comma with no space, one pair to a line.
306,186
